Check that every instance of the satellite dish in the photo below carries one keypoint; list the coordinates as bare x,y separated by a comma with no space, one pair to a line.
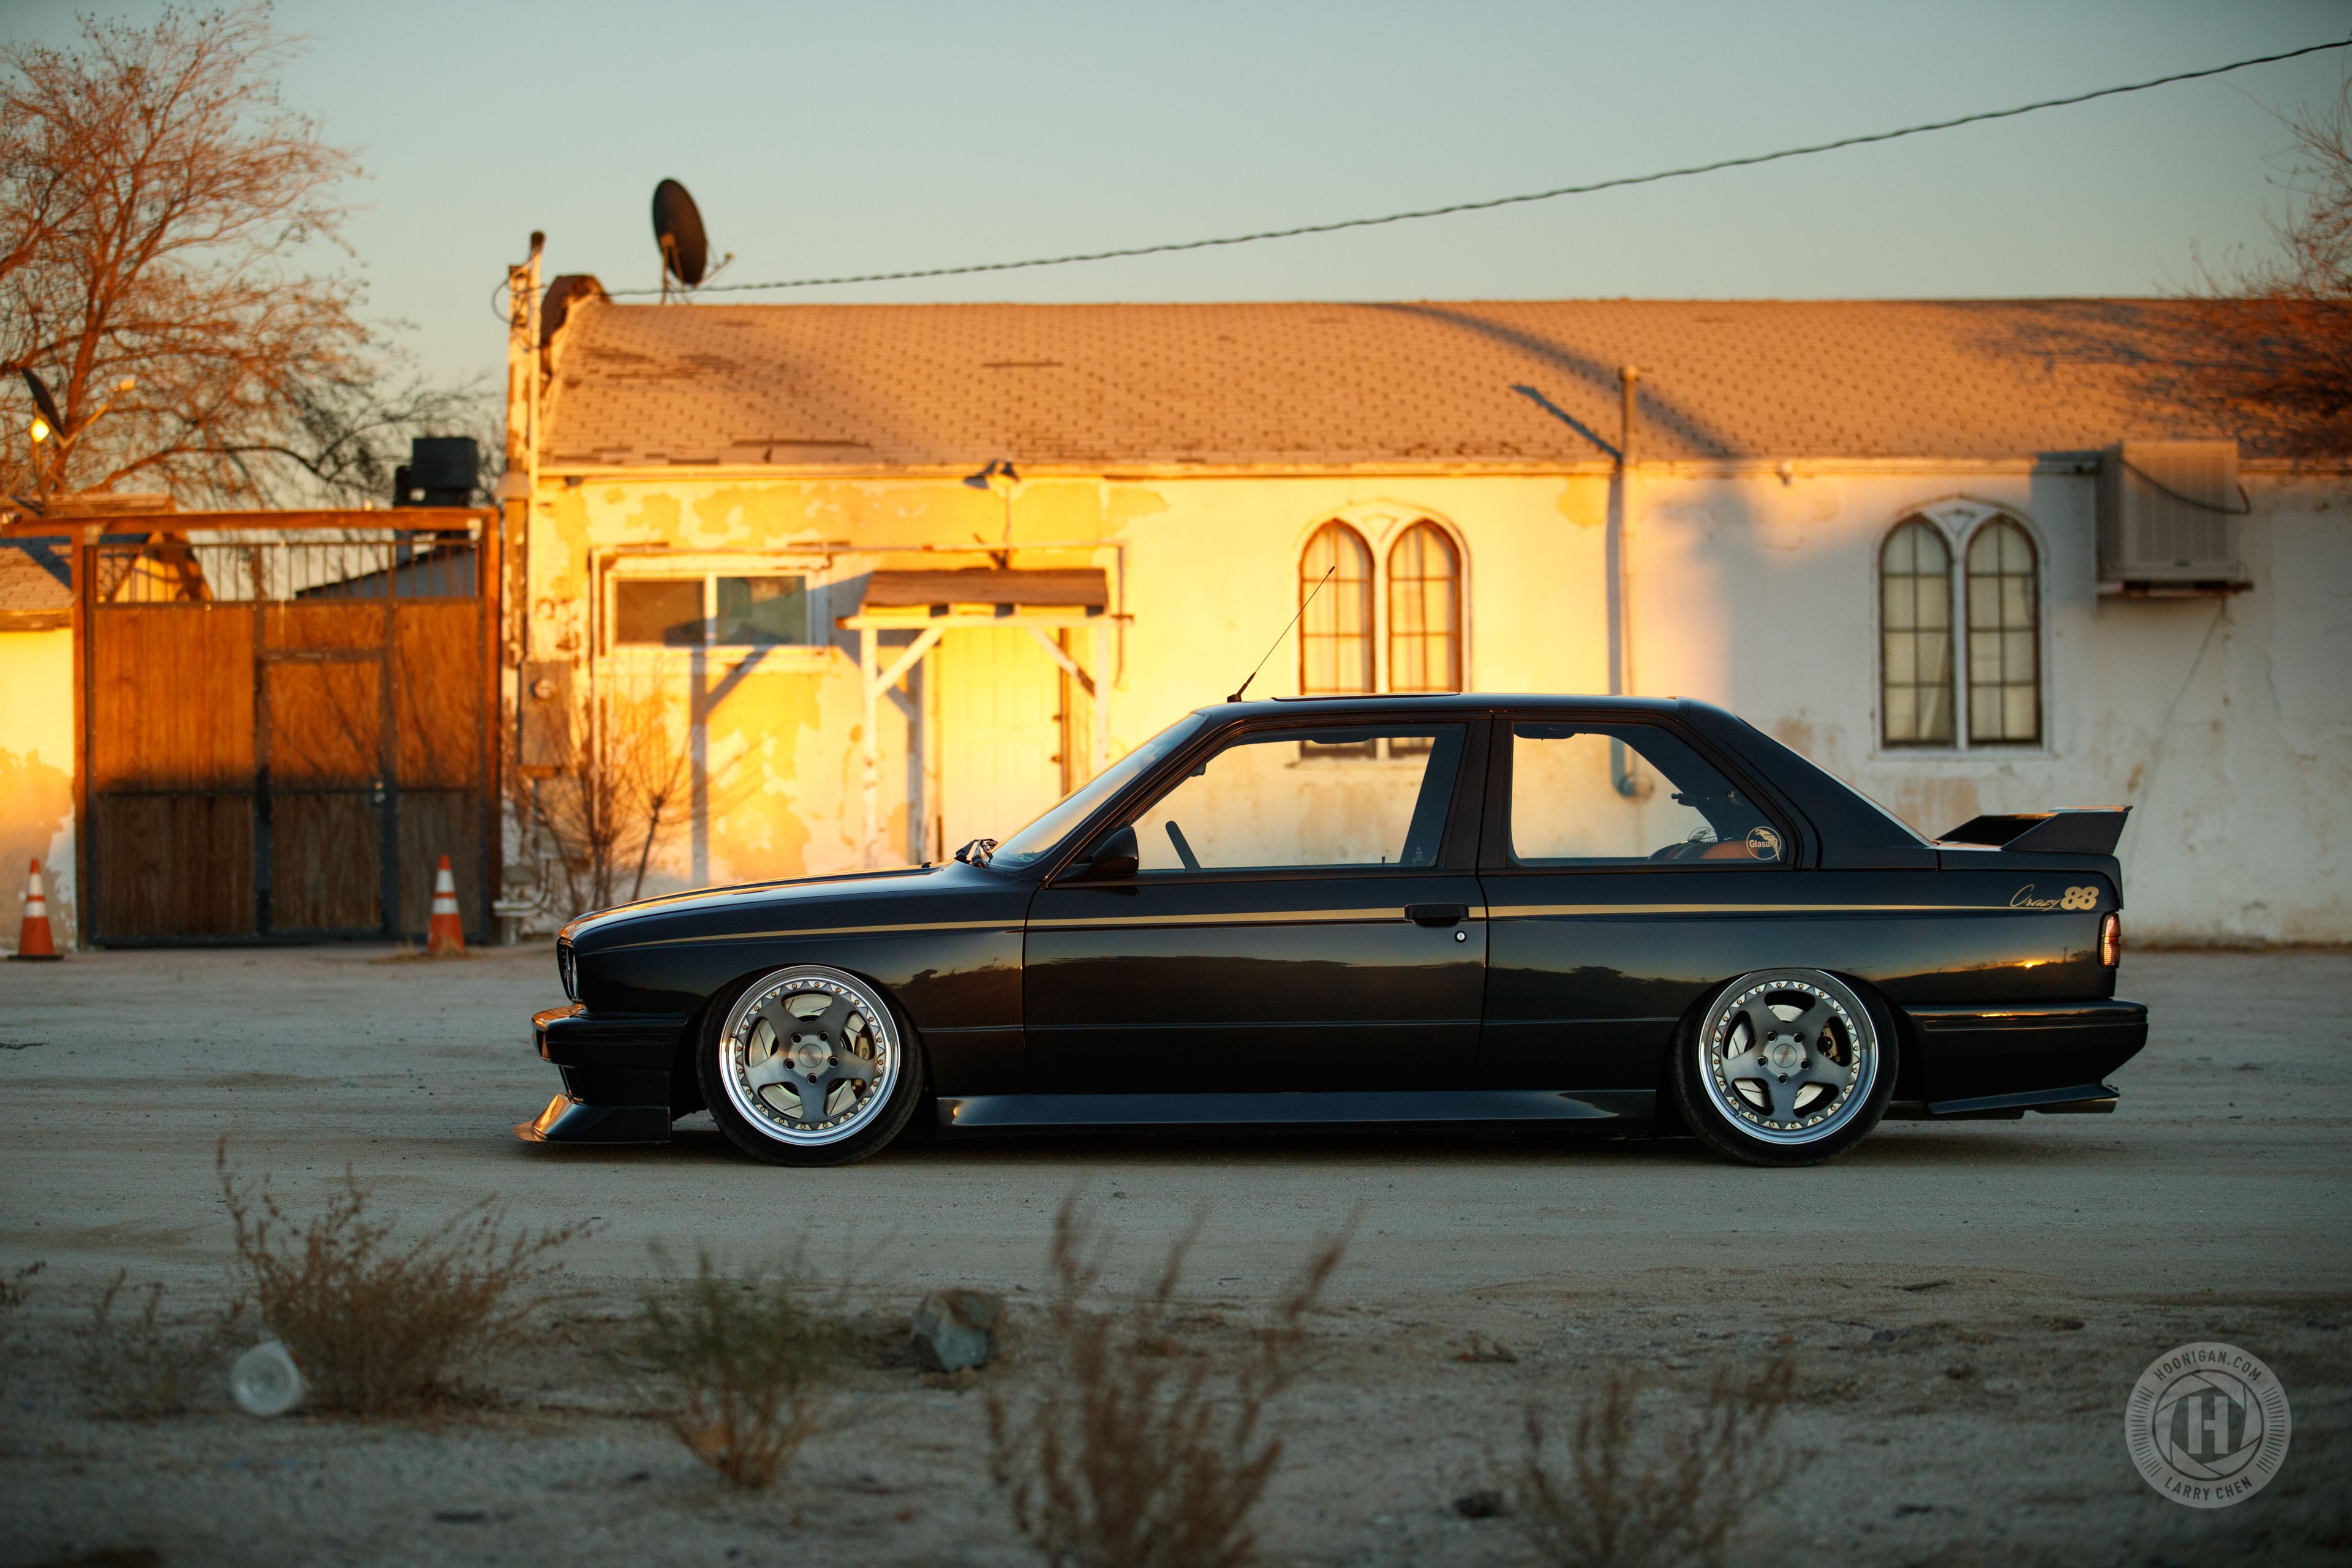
678,229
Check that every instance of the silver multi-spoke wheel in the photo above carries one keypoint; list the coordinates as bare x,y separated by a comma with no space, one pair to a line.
1789,1057
810,1056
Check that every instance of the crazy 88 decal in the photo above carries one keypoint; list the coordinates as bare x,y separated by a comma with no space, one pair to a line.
2080,899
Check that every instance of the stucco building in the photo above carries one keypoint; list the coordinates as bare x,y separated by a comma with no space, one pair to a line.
37,733
887,578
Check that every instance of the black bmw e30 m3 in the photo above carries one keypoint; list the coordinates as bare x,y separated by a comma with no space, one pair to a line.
1512,911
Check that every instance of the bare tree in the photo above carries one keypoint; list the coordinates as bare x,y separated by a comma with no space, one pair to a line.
166,260
2280,331
629,791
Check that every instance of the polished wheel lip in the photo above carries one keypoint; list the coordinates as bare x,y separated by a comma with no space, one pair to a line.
762,1003
1721,1054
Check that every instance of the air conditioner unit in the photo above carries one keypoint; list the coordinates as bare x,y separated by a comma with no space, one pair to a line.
2169,516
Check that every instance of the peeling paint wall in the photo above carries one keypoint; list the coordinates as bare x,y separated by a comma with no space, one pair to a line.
2226,723
37,751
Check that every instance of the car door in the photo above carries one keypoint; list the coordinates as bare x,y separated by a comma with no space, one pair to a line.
1304,915
1624,871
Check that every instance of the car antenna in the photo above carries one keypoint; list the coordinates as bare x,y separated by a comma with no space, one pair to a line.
1285,632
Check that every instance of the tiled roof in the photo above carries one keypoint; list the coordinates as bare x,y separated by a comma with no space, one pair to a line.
35,576
1326,385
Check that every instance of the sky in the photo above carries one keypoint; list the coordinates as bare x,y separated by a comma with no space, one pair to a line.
839,138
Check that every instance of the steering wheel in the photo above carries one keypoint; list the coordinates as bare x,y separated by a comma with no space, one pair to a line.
1183,851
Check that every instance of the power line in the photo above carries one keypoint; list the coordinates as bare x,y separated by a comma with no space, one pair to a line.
1493,202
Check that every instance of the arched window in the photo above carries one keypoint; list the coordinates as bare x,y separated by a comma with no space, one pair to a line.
1915,613
1335,636
1425,611
2004,636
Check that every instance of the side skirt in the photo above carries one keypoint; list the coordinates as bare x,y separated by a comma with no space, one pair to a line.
991,1112
2081,1099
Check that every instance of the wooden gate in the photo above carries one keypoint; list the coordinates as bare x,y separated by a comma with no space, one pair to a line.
283,734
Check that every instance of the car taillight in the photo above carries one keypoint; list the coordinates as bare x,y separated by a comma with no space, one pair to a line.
2111,939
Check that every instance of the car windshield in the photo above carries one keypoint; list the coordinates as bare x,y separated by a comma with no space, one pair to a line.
1037,840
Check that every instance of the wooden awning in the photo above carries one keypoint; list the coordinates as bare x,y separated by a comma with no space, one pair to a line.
1085,588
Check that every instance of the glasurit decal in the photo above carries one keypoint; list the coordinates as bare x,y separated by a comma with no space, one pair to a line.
2029,898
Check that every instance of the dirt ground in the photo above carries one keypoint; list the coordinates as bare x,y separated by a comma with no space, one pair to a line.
1965,1306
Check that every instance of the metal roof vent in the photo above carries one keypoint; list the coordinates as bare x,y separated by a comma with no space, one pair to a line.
2169,516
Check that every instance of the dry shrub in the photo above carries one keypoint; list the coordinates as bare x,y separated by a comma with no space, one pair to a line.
376,1324
15,1286
136,1364
756,1361
1631,1498
1132,1451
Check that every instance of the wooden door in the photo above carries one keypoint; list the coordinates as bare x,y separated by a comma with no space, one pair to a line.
169,723
1000,734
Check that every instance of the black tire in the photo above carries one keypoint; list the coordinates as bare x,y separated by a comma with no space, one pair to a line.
777,1128
1721,1073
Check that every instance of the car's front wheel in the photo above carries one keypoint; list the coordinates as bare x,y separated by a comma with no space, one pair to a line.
1787,1066
809,1066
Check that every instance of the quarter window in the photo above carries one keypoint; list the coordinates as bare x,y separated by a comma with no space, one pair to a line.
1568,812
2004,636
1914,598
1335,634
1425,612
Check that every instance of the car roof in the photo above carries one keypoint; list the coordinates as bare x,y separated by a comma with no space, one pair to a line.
1445,702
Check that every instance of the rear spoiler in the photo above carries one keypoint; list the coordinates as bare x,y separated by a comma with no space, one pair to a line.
2078,831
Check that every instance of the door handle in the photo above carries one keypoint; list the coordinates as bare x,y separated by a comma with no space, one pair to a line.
1437,914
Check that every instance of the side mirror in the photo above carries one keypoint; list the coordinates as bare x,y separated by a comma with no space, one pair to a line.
1115,855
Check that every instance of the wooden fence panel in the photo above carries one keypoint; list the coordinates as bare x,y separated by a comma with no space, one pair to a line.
171,697
439,691
173,866
325,724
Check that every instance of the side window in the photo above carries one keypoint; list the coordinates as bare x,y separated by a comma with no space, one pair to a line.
763,612
2004,636
1568,808
1914,628
1335,642
664,612
1425,612
1304,798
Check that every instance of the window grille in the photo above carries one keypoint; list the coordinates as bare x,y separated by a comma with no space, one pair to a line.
2004,636
1425,612
1915,586
1335,636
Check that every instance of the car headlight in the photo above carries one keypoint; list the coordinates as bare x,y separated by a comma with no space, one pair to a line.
567,970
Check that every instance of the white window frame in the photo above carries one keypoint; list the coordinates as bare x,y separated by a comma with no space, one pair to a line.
1380,526
1958,519
674,566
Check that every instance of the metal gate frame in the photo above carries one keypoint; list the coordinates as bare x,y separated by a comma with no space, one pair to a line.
89,534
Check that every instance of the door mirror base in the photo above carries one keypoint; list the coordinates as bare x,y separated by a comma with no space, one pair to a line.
1115,856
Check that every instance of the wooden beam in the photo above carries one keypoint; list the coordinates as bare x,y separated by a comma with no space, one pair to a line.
421,518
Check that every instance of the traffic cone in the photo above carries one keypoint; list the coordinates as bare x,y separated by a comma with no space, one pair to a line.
33,938
447,933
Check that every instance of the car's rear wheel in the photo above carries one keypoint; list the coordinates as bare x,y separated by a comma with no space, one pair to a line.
1787,1066
809,1066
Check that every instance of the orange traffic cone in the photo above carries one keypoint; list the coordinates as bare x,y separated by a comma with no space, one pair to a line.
33,940
447,933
